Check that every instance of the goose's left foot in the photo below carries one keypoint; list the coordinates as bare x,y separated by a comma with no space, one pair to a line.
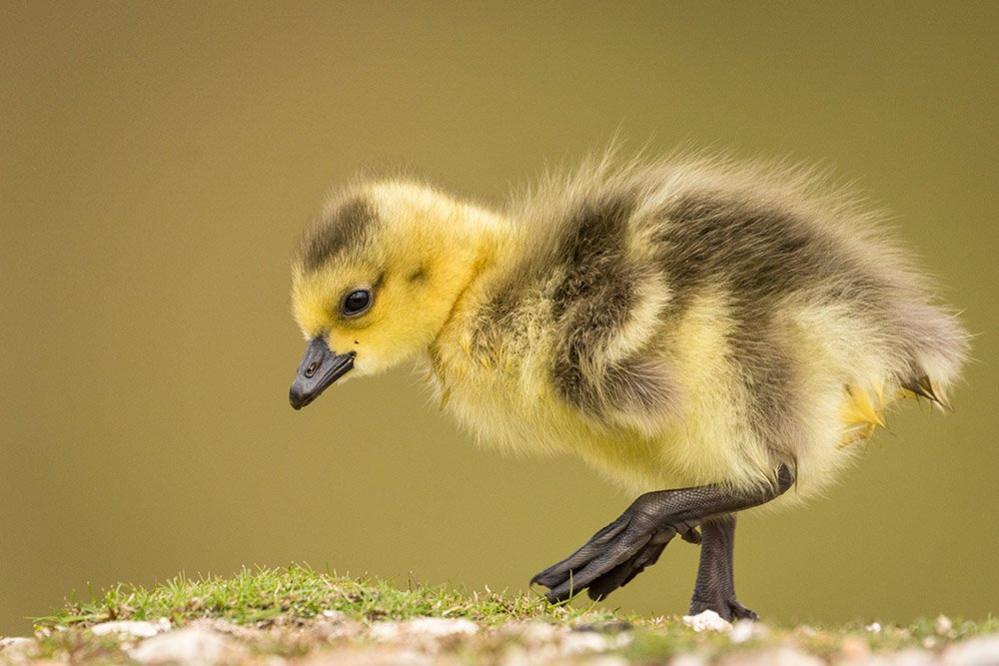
715,587
626,547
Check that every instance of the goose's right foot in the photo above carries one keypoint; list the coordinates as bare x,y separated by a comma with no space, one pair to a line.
614,555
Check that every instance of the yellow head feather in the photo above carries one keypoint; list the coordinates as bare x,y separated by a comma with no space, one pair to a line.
415,251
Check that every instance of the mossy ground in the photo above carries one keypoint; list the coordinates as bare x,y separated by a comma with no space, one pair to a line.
277,612
298,593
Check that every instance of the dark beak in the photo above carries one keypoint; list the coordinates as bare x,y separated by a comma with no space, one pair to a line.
320,368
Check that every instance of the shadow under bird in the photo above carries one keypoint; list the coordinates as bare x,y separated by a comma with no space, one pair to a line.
708,333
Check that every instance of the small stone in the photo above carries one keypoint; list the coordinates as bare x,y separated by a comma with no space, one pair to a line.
580,642
577,640
196,646
423,627
334,615
874,627
943,625
980,651
442,627
742,631
131,628
707,621
16,645
385,631
428,634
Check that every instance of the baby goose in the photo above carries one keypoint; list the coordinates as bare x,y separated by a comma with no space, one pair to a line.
724,328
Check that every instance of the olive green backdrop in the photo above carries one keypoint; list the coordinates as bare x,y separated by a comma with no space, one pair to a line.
158,160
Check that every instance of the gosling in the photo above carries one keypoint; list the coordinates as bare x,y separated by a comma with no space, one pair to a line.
721,330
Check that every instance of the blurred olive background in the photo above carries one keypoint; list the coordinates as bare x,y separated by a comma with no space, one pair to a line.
158,161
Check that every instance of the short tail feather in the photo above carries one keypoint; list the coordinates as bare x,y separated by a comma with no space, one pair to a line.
863,410
923,387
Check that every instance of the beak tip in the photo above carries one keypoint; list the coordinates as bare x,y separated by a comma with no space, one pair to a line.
320,368
296,399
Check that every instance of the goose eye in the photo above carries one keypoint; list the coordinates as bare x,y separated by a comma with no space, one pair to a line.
356,302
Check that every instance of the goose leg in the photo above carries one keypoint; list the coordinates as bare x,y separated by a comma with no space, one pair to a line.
626,547
715,587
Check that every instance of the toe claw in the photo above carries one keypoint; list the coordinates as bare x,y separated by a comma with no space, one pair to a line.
740,612
691,536
608,561
542,578
728,609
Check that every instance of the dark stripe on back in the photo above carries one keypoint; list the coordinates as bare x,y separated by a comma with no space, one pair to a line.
593,300
592,250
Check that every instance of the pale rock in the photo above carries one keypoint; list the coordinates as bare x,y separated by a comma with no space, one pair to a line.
707,621
874,627
385,631
581,642
442,627
16,645
980,651
943,624
428,634
192,646
131,628
742,631
425,627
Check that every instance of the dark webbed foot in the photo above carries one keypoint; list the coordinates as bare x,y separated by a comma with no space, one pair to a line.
715,587
616,554
622,550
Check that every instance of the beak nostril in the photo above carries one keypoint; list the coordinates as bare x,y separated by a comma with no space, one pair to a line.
320,367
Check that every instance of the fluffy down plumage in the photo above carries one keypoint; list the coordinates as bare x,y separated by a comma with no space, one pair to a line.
678,322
